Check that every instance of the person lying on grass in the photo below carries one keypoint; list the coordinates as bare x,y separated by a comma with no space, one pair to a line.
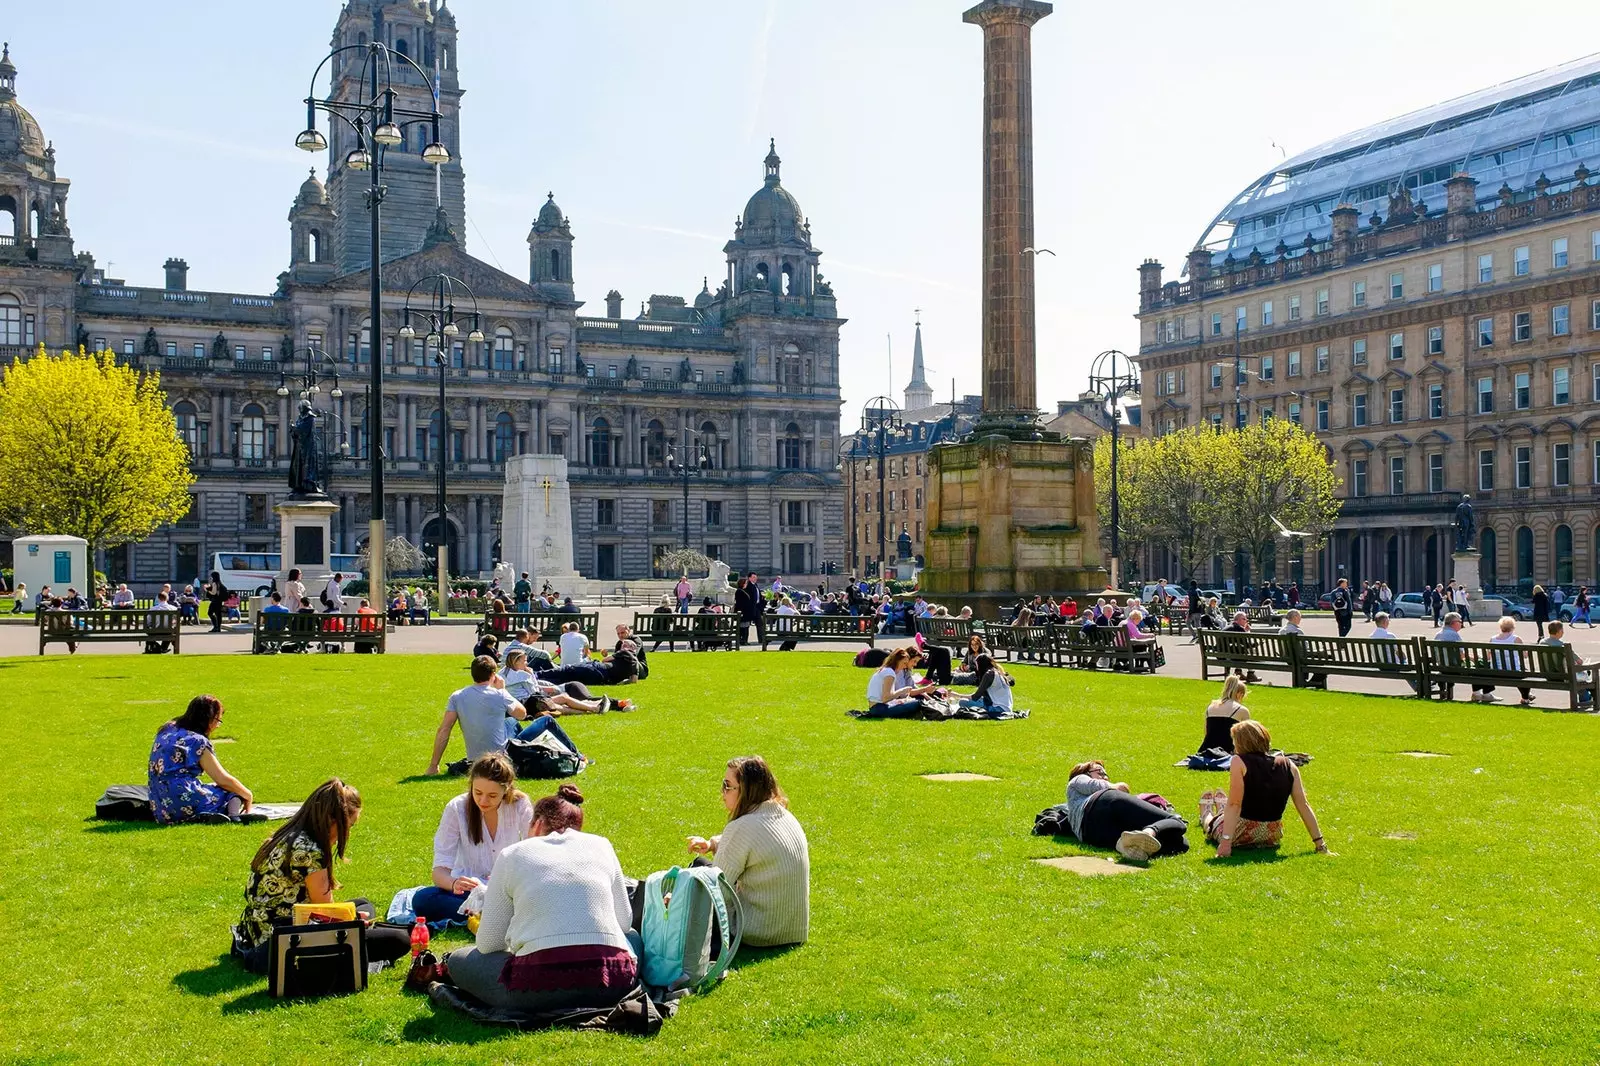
295,865
1104,814
763,853
542,697
1260,786
181,752
475,827
554,933
619,668
485,710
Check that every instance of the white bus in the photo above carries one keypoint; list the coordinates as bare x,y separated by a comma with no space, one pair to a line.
252,573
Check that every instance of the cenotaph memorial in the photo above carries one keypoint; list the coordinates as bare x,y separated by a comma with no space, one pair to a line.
536,533
1011,508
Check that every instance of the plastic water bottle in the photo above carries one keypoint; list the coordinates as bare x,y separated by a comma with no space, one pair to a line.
419,937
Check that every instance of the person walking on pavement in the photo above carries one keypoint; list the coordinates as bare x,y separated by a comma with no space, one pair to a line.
748,602
1343,606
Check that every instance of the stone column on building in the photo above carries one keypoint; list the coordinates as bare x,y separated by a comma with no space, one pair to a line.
1008,297
224,421
775,515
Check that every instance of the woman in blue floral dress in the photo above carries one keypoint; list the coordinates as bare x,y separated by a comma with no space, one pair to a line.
182,751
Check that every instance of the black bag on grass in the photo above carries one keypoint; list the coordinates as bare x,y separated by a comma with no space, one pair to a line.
1053,822
324,959
125,803
542,758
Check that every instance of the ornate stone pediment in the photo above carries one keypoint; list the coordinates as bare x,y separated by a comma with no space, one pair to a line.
794,480
486,282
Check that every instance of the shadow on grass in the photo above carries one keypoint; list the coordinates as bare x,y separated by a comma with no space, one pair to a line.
1253,857
419,778
749,955
447,1027
223,976
257,1001
96,825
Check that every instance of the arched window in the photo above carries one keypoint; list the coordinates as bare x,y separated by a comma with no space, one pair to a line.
361,38
505,350
1489,548
711,446
655,443
763,272
791,450
402,46
1524,560
444,57
314,246
358,346
188,425
555,265
1562,550
505,436
10,319
788,280
8,220
35,221
600,443
252,433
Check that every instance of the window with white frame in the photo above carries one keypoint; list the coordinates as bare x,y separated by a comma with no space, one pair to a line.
1169,382
1560,465
1267,368
1436,473
1294,308
1216,420
1436,400
1266,414
1596,470
1522,391
1322,415
1322,358
1561,386
1216,323
1358,409
1240,318
1266,312
1322,294
1594,246
1522,326
1358,477
1397,405
1560,320
1519,262
1594,316
1486,470
1397,346
1485,268
1293,364
1358,294
1216,375
1294,411
1558,253
1358,352
1594,382
1436,277
1486,396
1397,285
1524,466
1485,332
1435,340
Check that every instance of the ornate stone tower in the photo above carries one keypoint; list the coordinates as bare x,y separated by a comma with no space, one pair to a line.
311,227
550,252
33,201
425,30
919,394
771,247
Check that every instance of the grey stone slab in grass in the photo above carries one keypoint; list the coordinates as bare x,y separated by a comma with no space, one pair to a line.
1400,834
957,777
1426,754
1089,866
144,703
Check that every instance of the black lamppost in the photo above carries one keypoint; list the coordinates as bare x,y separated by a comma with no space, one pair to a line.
693,465
309,383
377,122
439,315
1112,376
881,416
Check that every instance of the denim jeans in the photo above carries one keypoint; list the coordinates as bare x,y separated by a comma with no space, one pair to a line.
437,905
545,724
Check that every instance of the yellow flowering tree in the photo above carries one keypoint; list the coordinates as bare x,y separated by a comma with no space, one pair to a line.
89,449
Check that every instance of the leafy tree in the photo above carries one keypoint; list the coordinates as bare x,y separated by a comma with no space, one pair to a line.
89,449
1274,470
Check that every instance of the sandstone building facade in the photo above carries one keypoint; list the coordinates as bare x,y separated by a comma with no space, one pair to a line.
1424,295
745,375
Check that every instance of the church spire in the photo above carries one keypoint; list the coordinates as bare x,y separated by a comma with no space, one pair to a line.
919,394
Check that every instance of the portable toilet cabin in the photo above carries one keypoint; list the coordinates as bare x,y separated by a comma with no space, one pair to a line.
61,562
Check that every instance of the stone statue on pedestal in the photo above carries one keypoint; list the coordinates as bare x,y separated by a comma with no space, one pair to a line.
1466,526
306,466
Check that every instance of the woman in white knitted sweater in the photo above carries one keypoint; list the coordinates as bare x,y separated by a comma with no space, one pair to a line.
554,930
763,853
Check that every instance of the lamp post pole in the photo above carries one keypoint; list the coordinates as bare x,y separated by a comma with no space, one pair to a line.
439,316
696,466
1112,376
883,415
371,115
855,548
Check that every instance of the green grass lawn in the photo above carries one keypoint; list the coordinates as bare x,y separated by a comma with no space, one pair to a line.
934,937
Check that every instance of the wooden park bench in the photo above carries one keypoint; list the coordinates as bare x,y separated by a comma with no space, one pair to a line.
833,628
699,631
1318,657
1446,663
272,630
109,625
949,632
1029,643
1173,620
1228,652
1263,616
544,625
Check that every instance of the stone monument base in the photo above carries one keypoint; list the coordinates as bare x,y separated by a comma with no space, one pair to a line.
536,535
1009,518
1467,571
305,525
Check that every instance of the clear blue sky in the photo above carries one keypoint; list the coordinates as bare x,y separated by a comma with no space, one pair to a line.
649,120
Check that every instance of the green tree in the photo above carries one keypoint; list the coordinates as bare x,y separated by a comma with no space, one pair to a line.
89,449
1275,470
1168,495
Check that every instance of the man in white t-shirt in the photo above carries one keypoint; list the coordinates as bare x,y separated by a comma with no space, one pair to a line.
574,645
335,594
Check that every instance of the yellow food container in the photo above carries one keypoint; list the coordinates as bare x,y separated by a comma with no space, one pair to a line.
306,913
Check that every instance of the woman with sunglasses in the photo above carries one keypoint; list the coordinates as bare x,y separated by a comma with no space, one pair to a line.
763,853
1104,814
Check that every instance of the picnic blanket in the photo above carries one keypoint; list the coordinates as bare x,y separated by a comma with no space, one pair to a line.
1217,759
131,803
636,1015
935,711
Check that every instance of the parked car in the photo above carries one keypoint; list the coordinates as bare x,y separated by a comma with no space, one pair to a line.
1409,605
1501,607
1180,600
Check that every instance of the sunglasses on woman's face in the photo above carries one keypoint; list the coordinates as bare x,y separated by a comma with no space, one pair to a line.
728,786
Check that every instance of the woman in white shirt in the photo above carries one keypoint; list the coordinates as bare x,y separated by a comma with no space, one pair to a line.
1509,661
891,694
475,827
554,933
294,592
763,853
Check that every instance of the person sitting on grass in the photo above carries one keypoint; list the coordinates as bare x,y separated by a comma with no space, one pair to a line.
475,828
626,641
181,752
574,645
968,674
890,693
1223,712
994,688
1557,630
488,645
542,697
1260,786
618,668
295,865
554,933
483,709
1105,814
763,853
523,641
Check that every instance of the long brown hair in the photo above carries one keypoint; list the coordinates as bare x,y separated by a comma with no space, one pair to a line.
200,716
756,783
325,817
564,810
494,767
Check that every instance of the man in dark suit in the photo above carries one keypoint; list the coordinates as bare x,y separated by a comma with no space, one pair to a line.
747,601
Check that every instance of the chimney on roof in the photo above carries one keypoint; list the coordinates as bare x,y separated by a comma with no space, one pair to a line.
177,275
613,304
1346,220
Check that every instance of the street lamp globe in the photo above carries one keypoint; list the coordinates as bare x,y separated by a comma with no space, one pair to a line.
407,332
476,336
451,329
388,135
436,153
358,159
311,140
337,392
283,389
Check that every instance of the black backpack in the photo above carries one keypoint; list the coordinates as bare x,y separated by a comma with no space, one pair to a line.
544,757
125,803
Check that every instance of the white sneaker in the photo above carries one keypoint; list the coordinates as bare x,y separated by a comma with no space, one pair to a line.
1138,845
1490,697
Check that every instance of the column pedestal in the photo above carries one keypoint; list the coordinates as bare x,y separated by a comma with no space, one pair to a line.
1467,566
305,532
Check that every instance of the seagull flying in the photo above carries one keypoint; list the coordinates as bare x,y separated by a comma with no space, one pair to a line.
1037,251
1285,531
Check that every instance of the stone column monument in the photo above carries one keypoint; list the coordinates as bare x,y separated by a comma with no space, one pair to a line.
536,534
1012,508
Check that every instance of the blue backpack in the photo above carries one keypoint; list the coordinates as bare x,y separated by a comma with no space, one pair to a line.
691,928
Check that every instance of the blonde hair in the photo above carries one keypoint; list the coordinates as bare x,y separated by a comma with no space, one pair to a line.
1234,688
1250,737
1507,624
